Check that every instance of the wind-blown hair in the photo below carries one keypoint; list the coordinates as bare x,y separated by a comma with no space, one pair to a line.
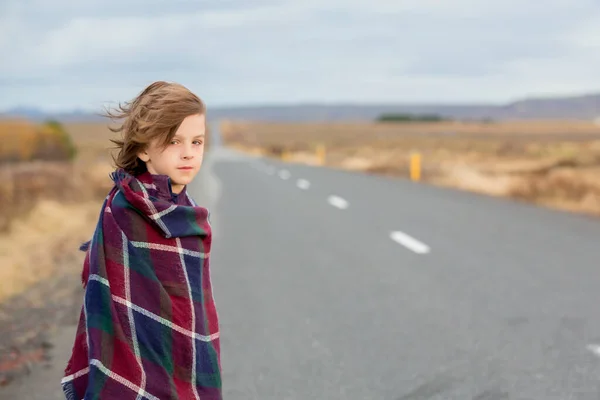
156,113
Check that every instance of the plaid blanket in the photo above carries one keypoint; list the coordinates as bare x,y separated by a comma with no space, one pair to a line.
148,326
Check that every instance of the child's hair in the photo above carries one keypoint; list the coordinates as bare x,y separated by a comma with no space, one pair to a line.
156,113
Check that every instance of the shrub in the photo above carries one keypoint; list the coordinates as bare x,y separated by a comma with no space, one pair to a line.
24,141
410,118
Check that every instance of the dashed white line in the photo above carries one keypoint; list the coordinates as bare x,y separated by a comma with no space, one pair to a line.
409,242
594,348
303,184
284,174
338,202
397,236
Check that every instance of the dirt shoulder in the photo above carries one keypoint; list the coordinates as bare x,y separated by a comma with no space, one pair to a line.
40,284
44,263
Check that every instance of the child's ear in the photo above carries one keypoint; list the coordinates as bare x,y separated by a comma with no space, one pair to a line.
143,155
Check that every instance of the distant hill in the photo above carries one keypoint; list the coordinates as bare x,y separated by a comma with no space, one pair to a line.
35,114
575,107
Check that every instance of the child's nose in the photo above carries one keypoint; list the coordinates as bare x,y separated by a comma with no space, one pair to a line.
187,153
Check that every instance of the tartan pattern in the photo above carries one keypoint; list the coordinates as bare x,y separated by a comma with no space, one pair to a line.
148,327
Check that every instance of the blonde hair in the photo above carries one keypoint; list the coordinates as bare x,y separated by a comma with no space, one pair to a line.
156,113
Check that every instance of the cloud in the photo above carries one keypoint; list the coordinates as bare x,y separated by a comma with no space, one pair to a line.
65,54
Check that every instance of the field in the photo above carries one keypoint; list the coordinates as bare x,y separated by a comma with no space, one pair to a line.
551,163
47,204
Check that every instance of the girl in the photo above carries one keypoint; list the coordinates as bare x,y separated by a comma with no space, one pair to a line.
148,326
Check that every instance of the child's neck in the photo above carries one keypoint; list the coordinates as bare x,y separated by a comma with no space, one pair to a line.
177,188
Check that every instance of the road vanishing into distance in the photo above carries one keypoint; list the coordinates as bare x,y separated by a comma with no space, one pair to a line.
339,285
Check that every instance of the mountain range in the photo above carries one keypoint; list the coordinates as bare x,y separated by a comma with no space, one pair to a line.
582,107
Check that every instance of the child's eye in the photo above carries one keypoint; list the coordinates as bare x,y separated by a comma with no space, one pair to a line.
198,142
173,141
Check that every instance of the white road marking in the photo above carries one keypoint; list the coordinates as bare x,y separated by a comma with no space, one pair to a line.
338,202
594,348
284,174
303,184
409,242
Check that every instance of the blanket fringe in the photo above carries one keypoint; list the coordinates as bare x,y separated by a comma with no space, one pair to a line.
69,391
85,246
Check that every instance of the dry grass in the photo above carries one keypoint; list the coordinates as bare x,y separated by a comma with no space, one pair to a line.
29,252
49,208
554,163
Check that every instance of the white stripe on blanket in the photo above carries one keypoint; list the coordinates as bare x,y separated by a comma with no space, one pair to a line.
155,317
122,380
189,288
75,375
155,211
165,322
163,212
110,374
164,247
134,339
100,279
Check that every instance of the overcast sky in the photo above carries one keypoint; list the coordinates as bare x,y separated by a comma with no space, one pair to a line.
64,54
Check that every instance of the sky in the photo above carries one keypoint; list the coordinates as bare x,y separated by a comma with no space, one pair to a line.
62,54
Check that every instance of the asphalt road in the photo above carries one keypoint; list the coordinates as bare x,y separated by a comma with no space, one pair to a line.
338,285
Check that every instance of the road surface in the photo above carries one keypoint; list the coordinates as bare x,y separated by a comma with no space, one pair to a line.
338,285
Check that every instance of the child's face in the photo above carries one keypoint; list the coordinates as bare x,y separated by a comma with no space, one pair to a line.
182,158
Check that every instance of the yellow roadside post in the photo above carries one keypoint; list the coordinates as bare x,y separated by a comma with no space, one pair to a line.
321,153
415,166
